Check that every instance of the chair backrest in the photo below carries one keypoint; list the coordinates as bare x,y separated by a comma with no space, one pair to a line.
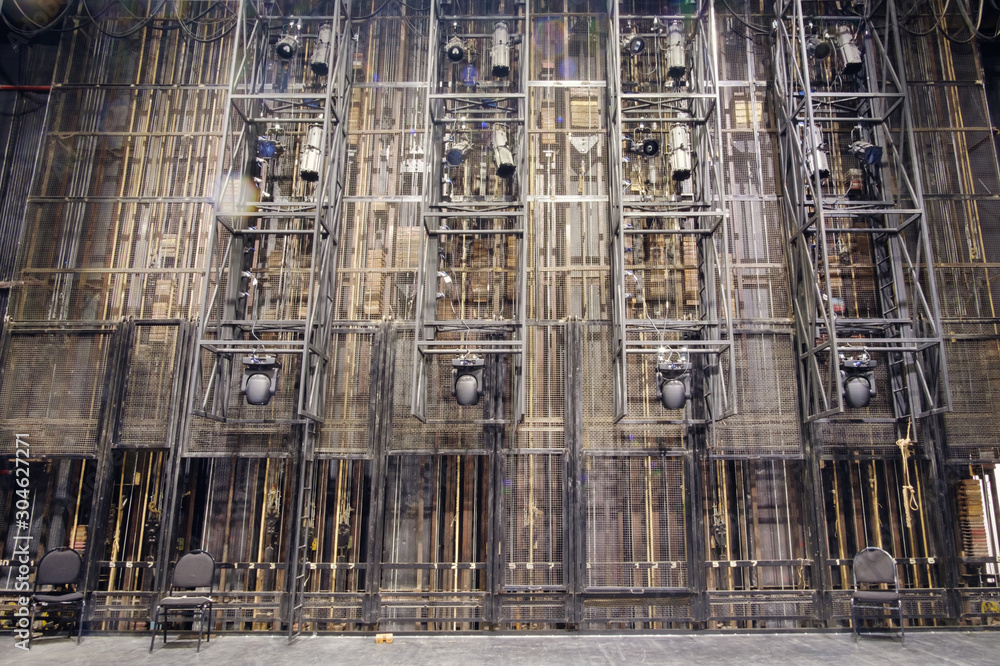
874,566
195,569
59,566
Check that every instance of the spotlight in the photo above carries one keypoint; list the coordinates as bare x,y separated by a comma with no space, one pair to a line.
868,154
817,160
312,154
676,55
680,151
857,374
457,152
818,48
288,44
501,49
633,45
260,379
322,52
502,155
467,379
850,54
673,380
646,147
455,49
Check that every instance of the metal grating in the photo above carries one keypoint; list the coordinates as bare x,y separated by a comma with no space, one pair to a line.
52,391
533,502
525,612
768,418
762,605
974,379
148,405
636,527
118,607
638,613
346,428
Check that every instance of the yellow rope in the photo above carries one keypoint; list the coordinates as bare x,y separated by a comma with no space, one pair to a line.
910,503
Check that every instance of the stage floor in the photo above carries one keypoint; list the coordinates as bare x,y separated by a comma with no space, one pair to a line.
921,647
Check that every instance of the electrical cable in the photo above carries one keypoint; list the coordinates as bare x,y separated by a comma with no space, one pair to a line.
130,31
368,16
758,30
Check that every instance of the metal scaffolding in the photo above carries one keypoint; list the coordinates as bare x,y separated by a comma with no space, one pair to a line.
471,284
851,189
671,280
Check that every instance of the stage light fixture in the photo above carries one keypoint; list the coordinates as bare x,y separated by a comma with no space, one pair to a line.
260,379
857,374
500,52
288,44
502,155
322,51
455,49
633,45
456,152
818,47
847,47
673,379
680,151
867,153
817,160
676,53
467,379
311,157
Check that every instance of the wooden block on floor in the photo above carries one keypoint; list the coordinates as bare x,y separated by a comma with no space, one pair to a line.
383,638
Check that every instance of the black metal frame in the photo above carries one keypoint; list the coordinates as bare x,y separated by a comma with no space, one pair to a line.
877,600
56,605
202,605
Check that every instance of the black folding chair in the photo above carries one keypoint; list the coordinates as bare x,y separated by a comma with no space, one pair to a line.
876,594
194,570
61,569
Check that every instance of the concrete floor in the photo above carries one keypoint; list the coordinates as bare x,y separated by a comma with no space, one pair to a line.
570,649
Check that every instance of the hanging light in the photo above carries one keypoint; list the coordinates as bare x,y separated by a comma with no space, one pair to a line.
847,47
467,379
673,379
857,374
322,52
680,151
288,43
500,52
818,47
312,154
457,152
817,160
260,379
867,153
455,49
676,53
502,155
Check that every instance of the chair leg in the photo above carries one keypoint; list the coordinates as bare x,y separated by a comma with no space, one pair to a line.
208,630
31,624
152,638
79,621
201,628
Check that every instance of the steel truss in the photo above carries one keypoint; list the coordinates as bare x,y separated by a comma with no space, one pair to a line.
852,97
471,280
270,276
670,268
271,257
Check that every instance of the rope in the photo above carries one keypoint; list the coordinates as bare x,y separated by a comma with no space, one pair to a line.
910,503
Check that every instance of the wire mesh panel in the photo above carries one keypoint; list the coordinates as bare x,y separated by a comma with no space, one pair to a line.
533,501
765,385
149,401
435,524
636,522
568,47
52,391
755,517
346,427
